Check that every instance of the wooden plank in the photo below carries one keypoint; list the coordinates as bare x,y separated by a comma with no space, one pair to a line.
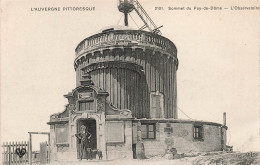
132,92
27,153
128,92
163,60
98,78
102,79
117,85
30,149
107,82
166,89
175,86
13,152
134,100
161,74
110,85
127,99
39,133
4,153
170,90
157,77
16,157
123,89
22,158
20,146
143,82
148,70
28,146
153,78
9,153
119,79
114,86
173,92
137,96
46,152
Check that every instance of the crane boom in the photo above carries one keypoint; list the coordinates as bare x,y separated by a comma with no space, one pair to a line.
126,6
145,18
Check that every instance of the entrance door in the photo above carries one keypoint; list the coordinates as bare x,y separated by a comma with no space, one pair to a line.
90,125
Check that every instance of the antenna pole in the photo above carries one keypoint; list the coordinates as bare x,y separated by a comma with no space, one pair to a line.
126,19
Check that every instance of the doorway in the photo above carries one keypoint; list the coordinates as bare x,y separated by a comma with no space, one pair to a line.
90,125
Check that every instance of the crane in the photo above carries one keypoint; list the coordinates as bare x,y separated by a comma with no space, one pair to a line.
127,6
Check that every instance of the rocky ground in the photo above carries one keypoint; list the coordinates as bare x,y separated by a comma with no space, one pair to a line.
218,158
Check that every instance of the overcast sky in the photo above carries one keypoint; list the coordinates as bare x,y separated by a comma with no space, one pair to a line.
218,54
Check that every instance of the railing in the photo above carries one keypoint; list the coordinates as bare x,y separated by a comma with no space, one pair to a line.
127,36
15,153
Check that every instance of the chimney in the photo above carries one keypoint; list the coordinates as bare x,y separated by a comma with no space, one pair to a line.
224,118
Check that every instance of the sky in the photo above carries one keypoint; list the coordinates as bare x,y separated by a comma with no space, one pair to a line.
218,52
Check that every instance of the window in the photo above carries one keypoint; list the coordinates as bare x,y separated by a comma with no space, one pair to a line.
84,106
148,131
197,132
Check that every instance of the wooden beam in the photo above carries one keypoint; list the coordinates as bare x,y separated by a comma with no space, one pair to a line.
30,149
47,133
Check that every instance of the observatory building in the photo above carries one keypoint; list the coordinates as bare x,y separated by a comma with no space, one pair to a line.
126,97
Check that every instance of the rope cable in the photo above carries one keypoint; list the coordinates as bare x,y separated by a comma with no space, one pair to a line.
229,137
184,113
134,21
119,19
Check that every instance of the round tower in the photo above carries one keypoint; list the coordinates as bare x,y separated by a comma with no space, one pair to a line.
137,69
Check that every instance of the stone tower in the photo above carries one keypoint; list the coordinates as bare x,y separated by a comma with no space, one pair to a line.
137,69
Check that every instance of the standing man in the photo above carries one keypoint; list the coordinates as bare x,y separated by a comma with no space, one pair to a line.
83,137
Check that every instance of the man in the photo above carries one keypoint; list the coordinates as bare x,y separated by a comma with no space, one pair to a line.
84,137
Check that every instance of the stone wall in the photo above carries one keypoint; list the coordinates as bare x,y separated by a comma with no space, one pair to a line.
182,139
53,148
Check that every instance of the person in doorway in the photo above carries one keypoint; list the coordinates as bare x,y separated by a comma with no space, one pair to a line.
83,137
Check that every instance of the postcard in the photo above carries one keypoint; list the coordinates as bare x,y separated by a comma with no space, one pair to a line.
130,82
